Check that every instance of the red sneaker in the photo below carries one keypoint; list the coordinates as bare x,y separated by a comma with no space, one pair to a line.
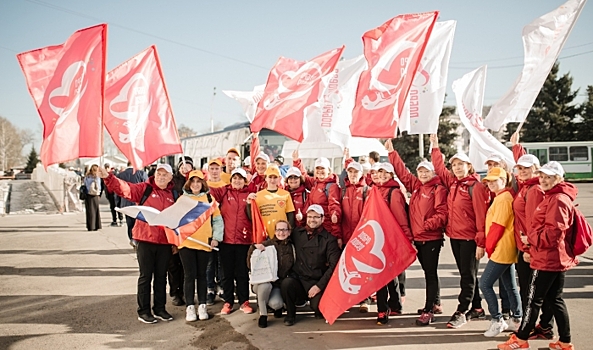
246,308
226,309
514,343
561,346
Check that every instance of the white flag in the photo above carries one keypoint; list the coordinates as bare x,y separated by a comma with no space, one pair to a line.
469,94
543,40
427,94
329,120
247,99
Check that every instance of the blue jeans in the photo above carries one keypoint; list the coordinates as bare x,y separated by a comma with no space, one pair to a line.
506,274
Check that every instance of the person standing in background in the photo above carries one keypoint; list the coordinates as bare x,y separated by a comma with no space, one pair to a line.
92,181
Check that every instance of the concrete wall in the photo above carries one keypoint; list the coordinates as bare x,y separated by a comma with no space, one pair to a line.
62,184
4,190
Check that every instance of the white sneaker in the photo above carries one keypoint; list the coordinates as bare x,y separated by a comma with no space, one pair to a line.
496,327
202,312
190,313
514,324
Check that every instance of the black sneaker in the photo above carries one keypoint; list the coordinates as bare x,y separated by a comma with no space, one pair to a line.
506,314
288,321
210,299
262,322
278,313
114,224
382,318
541,333
177,301
475,314
163,315
147,318
457,320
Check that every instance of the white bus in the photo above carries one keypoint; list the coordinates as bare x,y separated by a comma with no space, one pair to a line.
575,157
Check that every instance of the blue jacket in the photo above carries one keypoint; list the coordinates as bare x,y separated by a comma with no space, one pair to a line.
134,177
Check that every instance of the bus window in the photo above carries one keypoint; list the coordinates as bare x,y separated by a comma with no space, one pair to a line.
579,153
559,154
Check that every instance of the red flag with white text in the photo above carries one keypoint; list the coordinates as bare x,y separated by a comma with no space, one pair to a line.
393,52
66,82
138,113
292,86
377,252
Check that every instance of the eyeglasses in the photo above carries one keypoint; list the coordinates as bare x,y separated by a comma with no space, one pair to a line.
313,217
282,229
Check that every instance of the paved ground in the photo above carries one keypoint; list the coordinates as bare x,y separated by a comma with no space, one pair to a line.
65,288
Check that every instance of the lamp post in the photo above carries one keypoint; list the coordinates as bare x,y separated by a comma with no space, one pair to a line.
212,111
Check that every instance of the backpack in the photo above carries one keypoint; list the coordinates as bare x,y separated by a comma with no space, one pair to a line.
365,188
148,191
582,234
82,192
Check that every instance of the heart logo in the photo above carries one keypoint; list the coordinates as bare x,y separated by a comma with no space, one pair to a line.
281,203
65,98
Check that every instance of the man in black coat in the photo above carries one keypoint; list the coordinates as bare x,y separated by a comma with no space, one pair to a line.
317,254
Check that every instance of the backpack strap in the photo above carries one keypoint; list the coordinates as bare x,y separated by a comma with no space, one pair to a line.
209,196
343,192
389,195
327,186
175,195
365,189
147,192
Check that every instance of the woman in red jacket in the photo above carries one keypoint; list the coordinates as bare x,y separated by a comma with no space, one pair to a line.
428,217
324,191
550,242
467,204
236,241
295,184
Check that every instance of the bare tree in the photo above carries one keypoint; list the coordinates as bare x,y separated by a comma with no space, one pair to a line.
185,131
11,145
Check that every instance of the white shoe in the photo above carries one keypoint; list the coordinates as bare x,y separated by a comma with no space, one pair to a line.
190,313
202,312
514,324
496,327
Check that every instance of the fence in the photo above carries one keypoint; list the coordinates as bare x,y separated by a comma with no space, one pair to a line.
62,185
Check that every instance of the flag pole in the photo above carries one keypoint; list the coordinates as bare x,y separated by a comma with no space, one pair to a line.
201,243
520,126
421,145
212,111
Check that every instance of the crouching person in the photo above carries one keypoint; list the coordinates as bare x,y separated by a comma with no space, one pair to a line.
268,294
317,254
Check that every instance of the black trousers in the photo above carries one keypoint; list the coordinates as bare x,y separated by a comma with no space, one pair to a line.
428,256
194,263
233,258
112,205
93,218
524,273
464,252
296,291
214,271
175,274
546,286
152,261
130,222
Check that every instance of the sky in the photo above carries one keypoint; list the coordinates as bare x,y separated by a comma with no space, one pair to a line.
232,45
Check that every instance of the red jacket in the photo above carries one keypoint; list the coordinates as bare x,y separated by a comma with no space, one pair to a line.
529,197
397,205
158,199
298,200
551,234
233,208
330,203
428,204
352,204
467,214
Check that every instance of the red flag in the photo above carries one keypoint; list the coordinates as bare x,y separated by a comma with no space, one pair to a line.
257,224
393,52
138,113
292,86
254,150
377,252
67,82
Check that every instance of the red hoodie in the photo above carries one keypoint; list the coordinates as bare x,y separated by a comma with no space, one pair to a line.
233,208
529,197
330,203
428,204
352,204
298,200
397,205
467,214
551,234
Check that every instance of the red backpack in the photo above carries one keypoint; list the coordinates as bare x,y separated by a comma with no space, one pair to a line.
583,234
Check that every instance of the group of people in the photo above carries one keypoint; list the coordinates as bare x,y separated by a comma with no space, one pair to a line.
521,219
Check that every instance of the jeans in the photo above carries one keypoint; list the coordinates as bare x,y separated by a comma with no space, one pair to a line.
546,286
233,258
194,268
428,256
464,252
152,261
267,295
524,272
506,273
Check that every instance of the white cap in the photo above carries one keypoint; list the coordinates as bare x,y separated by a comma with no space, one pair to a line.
552,168
294,171
239,171
387,167
263,156
322,162
316,208
528,160
355,165
425,164
494,157
461,156
167,167
247,160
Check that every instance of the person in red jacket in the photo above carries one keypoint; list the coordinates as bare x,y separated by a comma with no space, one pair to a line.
258,180
295,184
467,204
236,241
550,242
428,217
153,250
324,191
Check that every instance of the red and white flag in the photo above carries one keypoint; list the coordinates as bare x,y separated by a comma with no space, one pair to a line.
138,114
247,99
66,82
377,252
292,86
393,52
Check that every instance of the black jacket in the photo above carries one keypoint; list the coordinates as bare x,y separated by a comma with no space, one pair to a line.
285,254
315,258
